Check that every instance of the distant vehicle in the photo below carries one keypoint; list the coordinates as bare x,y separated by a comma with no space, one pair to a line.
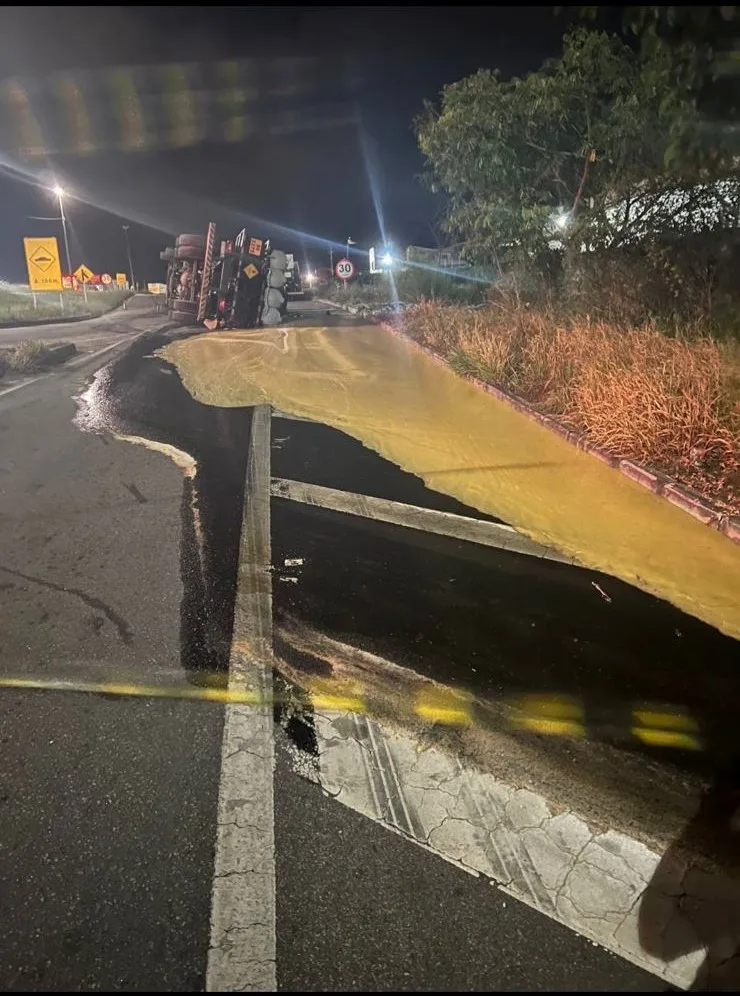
295,286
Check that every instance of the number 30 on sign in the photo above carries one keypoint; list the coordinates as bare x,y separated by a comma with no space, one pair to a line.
345,269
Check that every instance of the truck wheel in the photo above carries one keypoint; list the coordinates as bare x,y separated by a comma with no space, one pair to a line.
190,252
274,298
187,307
278,259
191,240
271,316
276,278
183,317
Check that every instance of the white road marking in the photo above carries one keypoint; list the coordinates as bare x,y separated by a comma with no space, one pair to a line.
91,356
23,383
242,950
591,881
493,534
276,413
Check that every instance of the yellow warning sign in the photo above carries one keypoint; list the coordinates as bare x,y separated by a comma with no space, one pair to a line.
121,279
42,260
84,274
250,270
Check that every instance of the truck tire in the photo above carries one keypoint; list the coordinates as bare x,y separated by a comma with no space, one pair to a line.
187,307
278,259
183,317
271,316
274,298
190,252
191,240
276,278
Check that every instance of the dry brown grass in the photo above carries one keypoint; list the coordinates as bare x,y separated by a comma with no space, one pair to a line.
670,403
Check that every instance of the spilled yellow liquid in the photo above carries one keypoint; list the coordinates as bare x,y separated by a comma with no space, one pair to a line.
464,442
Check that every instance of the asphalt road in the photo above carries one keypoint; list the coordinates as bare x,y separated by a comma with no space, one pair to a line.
117,567
89,335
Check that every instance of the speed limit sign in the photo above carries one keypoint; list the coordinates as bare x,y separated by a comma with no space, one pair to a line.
345,269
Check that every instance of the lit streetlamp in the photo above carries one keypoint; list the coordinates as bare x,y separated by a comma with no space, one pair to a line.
59,192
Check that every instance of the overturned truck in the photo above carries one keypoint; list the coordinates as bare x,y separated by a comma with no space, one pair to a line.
238,284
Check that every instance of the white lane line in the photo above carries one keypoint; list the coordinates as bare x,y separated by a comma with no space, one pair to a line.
91,356
493,534
23,383
276,413
242,950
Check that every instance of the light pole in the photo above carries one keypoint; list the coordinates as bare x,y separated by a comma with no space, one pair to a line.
59,191
128,253
350,242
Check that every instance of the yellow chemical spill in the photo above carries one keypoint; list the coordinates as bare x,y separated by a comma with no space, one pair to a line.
464,442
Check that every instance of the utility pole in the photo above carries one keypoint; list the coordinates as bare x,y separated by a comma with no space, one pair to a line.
331,260
59,191
128,253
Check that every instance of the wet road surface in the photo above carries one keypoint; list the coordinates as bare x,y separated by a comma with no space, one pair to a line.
356,906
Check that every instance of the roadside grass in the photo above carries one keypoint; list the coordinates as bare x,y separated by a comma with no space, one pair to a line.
17,304
672,403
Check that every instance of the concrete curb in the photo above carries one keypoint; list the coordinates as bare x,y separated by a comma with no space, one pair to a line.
59,353
660,484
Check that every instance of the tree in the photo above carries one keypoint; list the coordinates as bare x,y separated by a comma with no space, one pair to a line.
592,149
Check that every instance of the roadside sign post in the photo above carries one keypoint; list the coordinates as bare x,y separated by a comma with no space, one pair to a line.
344,270
84,275
42,262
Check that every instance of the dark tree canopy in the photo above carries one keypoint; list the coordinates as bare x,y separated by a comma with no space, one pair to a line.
598,148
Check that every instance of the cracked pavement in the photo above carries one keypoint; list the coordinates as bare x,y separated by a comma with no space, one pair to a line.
601,884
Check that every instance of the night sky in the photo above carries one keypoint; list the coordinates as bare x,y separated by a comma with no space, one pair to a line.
319,140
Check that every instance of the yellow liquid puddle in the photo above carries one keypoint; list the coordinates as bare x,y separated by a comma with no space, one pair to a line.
465,443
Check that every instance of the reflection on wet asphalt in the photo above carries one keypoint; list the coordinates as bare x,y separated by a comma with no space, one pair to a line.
141,397
376,614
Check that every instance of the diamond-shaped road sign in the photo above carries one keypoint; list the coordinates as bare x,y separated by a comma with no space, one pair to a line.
84,274
42,262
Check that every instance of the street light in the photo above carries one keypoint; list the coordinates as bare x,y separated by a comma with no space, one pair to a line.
350,242
59,192
128,253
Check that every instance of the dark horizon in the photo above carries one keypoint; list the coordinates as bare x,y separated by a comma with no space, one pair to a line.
328,148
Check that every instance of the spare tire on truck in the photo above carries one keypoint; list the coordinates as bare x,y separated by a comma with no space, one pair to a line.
184,312
198,241
190,252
